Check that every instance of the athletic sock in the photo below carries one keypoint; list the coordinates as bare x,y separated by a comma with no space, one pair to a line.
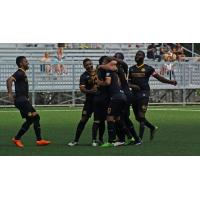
149,125
142,128
37,129
101,130
95,128
23,129
111,131
79,130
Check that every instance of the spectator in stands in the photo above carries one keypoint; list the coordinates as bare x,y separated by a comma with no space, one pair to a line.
60,49
167,53
58,65
179,52
170,67
152,52
45,67
84,46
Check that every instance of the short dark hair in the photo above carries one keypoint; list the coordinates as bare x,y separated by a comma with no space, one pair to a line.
19,60
119,55
141,52
101,60
86,60
108,59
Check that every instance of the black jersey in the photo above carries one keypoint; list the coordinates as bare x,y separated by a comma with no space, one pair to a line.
89,81
101,74
140,76
114,89
21,83
122,77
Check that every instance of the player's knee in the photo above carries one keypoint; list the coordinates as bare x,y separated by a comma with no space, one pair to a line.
34,114
36,117
110,119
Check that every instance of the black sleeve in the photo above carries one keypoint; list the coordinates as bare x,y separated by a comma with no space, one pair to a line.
129,74
18,75
108,74
151,70
82,80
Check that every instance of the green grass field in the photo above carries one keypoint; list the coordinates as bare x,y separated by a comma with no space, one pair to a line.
178,134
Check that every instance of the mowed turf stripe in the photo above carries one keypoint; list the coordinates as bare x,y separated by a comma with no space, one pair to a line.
79,110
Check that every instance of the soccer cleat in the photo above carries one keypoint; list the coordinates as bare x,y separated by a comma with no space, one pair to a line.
138,143
100,142
108,144
152,132
18,143
71,144
130,141
95,143
116,144
42,142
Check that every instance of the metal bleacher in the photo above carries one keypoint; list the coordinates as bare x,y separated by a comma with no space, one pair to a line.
187,73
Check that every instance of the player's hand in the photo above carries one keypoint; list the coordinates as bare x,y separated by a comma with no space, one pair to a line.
99,82
94,89
174,82
11,98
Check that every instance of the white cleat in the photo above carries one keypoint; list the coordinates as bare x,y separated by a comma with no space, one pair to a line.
95,144
116,144
72,144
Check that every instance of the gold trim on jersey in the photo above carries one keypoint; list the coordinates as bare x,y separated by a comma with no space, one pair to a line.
140,65
22,70
137,74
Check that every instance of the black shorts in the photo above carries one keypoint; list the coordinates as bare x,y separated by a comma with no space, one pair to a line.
87,108
126,111
25,107
115,108
140,103
100,107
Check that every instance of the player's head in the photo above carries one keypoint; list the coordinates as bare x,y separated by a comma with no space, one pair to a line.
139,57
22,62
119,55
87,64
102,59
110,63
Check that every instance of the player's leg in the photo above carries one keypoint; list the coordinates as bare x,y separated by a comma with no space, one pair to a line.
36,124
110,124
86,114
24,108
152,128
102,128
139,116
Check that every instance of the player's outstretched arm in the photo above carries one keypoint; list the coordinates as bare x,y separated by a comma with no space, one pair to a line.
164,80
9,84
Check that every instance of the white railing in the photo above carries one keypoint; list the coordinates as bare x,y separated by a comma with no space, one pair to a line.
186,74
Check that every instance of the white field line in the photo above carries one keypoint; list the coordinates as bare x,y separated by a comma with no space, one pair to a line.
78,110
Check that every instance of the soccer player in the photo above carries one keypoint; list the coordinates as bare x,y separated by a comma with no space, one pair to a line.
116,103
101,101
88,87
122,71
139,75
124,126
21,101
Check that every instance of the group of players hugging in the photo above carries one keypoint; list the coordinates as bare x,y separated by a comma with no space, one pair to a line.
110,90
